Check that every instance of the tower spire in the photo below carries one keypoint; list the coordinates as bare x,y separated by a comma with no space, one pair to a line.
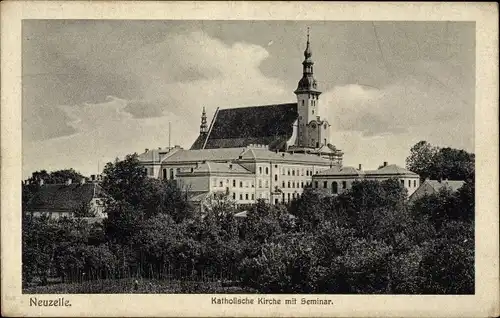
203,126
307,82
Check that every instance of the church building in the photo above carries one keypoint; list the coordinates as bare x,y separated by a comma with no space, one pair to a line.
269,152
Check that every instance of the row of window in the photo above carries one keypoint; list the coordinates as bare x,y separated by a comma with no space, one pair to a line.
409,183
335,185
249,196
296,172
220,183
293,184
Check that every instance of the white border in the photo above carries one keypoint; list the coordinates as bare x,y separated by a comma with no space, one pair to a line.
483,303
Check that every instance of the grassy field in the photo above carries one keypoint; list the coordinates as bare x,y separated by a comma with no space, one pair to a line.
145,286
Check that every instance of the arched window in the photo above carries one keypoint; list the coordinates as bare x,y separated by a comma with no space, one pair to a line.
289,184
267,170
283,184
260,183
164,173
335,187
260,170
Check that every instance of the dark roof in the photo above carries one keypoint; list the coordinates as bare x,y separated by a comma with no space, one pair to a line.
239,127
62,197
391,170
453,185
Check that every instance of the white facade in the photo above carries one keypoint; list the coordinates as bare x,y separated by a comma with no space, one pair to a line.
337,180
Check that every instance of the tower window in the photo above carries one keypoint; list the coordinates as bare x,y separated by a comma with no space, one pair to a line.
234,183
275,177
302,102
241,184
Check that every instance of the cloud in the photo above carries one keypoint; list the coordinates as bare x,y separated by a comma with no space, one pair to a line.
170,91
412,102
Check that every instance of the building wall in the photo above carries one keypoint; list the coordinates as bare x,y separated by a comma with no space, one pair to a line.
411,183
344,183
194,183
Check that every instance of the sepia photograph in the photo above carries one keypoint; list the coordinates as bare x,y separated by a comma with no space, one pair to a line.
248,157
267,162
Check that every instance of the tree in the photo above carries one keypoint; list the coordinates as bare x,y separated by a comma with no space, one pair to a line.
440,163
125,180
421,159
55,177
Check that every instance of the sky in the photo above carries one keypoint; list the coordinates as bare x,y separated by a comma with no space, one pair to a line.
94,90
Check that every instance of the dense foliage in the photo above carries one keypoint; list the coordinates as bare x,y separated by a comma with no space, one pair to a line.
440,163
369,239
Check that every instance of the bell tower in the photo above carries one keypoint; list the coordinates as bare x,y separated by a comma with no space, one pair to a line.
203,126
307,99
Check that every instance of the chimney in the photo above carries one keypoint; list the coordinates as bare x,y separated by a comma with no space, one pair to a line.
385,163
360,167
68,182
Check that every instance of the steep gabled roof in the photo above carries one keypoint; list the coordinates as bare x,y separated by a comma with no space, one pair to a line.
62,197
239,127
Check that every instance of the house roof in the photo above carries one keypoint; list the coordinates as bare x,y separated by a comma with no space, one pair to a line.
246,153
156,154
197,196
391,170
453,185
217,167
62,197
270,125
341,171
